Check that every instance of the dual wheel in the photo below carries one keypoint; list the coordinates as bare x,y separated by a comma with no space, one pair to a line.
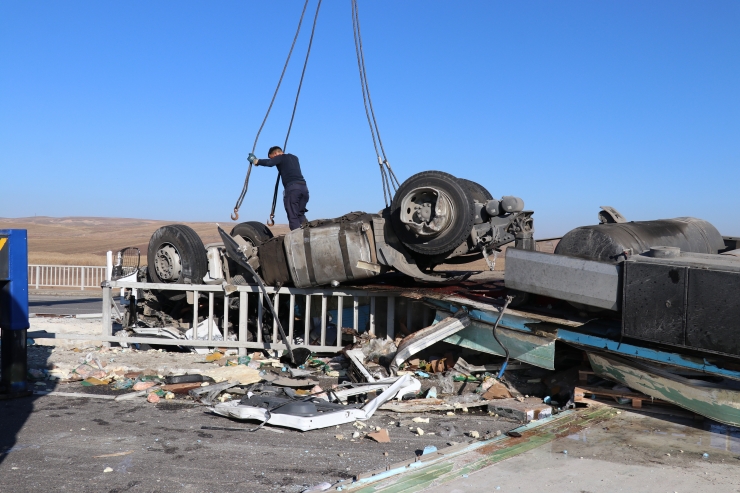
433,212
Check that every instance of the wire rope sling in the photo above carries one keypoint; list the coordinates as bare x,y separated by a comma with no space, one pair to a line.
388,177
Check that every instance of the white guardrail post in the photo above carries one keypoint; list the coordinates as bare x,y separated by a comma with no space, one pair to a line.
364,314
66,276
107,327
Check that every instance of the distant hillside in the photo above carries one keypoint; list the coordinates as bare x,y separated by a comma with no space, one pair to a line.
84,240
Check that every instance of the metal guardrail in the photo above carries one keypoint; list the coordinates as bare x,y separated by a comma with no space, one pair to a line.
357,309
66,276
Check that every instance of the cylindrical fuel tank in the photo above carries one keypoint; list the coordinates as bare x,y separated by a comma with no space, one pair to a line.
340,250
607,242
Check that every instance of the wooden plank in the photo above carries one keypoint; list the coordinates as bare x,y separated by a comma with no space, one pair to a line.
583,375
580,392
661,410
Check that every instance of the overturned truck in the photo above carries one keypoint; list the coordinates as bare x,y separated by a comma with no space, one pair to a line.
434,218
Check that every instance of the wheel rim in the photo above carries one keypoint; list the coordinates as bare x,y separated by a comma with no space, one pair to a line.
427,211
168,263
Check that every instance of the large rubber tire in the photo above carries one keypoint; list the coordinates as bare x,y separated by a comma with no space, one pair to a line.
253,231
455,234
193,258
476,191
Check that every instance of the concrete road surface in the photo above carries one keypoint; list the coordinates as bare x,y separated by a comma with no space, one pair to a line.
630,453
64,305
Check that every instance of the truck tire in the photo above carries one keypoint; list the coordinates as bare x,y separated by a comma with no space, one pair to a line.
176,255
475,190
253,231
451,232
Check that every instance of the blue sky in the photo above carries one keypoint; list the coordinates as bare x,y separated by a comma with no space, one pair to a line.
149,109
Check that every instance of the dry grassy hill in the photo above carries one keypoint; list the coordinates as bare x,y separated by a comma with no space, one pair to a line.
84,240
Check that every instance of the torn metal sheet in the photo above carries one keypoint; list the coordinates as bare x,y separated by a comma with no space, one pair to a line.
427,336
320,420
716,401
210,392
342,395
357,358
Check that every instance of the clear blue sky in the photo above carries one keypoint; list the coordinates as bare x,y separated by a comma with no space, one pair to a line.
149,109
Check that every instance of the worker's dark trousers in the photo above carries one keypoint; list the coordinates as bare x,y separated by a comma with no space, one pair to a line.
295,198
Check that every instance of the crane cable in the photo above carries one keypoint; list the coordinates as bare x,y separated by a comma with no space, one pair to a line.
235,215
271,221
387,175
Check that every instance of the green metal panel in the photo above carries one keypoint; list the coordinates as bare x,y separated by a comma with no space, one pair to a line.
718,403
527,348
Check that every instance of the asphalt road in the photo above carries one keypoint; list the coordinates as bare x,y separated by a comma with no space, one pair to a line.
66,443
64,305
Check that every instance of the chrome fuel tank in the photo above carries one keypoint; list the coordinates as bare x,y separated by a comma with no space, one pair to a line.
336,250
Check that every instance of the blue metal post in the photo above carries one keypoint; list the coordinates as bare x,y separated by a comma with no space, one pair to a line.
13,310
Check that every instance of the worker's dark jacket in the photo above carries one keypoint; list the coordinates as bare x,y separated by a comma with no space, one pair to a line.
288,167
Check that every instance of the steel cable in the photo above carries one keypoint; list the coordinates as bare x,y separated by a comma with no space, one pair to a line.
271,221
235,215
388,177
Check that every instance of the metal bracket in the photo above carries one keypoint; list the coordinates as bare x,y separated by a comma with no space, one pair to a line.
491,263
392,254
609,215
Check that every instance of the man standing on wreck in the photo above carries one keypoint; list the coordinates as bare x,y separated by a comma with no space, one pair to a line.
295,193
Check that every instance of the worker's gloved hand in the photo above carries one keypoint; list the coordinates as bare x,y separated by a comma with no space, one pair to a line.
252,158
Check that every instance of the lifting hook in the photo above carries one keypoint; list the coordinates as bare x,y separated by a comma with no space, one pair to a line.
235,215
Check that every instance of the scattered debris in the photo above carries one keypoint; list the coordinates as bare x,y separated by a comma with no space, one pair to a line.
429,449
524,411
305,414
143,385
425,337
214,356
380,436
116,454
181,388
317,488
495,390
240,374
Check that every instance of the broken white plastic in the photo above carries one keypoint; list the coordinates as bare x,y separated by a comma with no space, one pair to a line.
324,420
